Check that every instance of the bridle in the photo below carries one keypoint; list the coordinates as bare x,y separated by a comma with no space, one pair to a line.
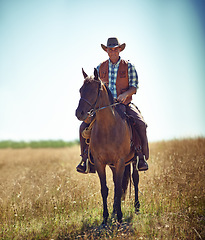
85,100
93,109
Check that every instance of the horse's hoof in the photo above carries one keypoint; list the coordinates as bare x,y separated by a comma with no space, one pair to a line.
119,217
104,222
119,221
137,207
113,214
103,225
137,211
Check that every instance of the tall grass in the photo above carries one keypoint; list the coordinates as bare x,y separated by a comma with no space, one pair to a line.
43,197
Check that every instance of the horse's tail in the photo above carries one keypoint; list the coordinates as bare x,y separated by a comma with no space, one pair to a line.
125,180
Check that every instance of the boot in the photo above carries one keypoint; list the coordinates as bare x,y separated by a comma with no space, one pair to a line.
143,137
142,164
84,150
82,165
85,166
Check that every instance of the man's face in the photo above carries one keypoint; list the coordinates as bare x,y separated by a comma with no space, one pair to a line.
113,54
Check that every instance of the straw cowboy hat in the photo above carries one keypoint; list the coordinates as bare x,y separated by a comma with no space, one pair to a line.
112,43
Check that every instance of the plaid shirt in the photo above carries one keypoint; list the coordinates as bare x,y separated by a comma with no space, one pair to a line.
113,69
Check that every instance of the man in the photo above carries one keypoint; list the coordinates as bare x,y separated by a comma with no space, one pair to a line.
121,78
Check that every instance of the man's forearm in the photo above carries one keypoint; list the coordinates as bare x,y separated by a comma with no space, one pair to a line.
122,97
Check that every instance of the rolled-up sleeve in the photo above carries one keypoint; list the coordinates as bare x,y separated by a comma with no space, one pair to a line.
132,75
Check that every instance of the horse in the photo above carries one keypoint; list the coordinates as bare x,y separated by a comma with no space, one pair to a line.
110,141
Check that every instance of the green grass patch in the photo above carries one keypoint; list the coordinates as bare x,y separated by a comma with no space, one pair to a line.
37,144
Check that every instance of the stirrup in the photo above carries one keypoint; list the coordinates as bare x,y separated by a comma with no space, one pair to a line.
146,167
87,169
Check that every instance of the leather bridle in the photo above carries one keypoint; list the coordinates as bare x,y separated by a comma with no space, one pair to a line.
93,109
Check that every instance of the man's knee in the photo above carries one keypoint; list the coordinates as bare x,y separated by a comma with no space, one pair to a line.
133,111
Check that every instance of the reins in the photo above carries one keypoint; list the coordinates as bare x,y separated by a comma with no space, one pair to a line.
93,111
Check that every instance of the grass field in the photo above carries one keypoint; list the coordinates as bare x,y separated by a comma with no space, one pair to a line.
36,144
43,197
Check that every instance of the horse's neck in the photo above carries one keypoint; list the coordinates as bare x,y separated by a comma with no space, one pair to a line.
108,114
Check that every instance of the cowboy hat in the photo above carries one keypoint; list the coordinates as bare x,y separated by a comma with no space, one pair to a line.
112,43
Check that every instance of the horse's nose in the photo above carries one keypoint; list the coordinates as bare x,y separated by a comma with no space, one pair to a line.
79,114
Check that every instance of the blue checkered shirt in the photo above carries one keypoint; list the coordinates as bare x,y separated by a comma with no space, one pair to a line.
113,69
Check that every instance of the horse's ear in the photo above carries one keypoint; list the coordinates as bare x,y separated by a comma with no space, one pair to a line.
84,74
95,74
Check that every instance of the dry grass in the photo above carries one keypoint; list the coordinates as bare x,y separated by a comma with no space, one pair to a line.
43,197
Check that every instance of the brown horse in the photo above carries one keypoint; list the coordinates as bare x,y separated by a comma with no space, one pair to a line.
110,142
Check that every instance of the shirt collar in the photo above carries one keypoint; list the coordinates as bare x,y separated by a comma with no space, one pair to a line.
116,64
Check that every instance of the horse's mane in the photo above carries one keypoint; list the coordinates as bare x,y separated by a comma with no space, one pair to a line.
117,107
109,94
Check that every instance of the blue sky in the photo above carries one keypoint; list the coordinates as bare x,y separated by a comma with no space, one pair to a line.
45,43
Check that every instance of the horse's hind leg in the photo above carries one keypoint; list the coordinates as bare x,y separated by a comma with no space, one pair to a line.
104,190
135,177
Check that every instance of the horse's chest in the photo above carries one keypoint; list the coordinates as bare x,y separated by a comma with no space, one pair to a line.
109,143
108,152
105,157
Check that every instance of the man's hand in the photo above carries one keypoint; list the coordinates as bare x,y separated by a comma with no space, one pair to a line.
122,97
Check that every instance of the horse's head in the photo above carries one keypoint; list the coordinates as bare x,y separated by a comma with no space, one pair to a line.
89,93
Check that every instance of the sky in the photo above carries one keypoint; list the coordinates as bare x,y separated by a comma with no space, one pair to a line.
45,43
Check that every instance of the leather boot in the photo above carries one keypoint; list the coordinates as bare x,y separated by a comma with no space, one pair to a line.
84,166
143,137
84,150
142,164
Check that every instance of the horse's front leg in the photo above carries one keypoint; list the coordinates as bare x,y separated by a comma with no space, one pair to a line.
114,180
135,177
104,190
118,189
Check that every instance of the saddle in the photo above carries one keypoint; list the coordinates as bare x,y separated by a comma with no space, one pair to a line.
135,139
